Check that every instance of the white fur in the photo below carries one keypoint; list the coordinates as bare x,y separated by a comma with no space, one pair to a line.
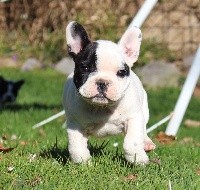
130,44
73,41
130,116
128,112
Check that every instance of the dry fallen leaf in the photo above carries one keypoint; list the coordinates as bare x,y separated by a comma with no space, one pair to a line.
23,143
197,144
192,123
156,161
4,137
197,91
164,138
5,150
131,177
198,171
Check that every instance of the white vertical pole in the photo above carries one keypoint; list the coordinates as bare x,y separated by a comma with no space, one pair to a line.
143,13
185,96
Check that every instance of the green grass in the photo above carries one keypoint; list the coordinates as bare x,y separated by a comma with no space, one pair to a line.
41,97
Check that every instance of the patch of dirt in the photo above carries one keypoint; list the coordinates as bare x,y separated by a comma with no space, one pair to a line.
197,91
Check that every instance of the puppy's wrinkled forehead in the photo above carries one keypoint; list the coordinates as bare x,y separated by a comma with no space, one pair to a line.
109,56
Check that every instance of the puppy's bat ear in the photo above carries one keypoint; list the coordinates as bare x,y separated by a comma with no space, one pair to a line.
77,38
19,84
1,78
130,45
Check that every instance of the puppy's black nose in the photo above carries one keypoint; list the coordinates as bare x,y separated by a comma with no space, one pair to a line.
101,86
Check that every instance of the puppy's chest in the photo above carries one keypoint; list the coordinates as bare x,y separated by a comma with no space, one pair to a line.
106,123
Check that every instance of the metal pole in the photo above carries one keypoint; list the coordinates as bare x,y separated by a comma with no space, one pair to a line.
159,123
49,119
143,13
185,96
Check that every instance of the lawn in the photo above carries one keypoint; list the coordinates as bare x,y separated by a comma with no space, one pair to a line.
40,159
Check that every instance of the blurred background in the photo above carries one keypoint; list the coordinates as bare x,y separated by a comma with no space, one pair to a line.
37,28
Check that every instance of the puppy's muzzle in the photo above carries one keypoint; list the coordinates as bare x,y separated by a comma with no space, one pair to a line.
8,98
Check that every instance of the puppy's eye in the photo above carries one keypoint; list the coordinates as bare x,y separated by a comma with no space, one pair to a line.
122,73
84,68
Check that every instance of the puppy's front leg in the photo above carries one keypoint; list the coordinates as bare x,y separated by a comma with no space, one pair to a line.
77,146
134,140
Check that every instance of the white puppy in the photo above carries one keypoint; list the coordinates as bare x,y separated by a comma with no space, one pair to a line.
103,96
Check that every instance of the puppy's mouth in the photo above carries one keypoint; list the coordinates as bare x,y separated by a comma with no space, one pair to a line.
101,96
99,99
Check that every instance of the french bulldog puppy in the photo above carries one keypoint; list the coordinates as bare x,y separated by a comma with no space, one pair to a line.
104,96
9,90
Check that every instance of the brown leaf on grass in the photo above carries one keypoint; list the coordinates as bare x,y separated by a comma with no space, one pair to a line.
4,149
23,143
191,123
197,91
197,144
131,177
4,137
198,171
164,138
156,161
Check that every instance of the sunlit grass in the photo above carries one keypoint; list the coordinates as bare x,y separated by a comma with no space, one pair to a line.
40,159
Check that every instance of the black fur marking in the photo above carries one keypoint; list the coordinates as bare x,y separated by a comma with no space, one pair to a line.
124,72
78,30
4,85
85,63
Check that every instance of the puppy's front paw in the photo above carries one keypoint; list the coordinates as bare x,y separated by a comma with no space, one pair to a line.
139,157
80,158
80,155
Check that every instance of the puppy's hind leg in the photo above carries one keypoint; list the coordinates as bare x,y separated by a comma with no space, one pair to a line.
77,146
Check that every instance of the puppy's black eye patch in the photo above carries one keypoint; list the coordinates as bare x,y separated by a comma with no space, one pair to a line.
124,72
85,63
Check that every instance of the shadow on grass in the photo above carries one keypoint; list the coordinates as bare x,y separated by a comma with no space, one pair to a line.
59,154
18,107
62,154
